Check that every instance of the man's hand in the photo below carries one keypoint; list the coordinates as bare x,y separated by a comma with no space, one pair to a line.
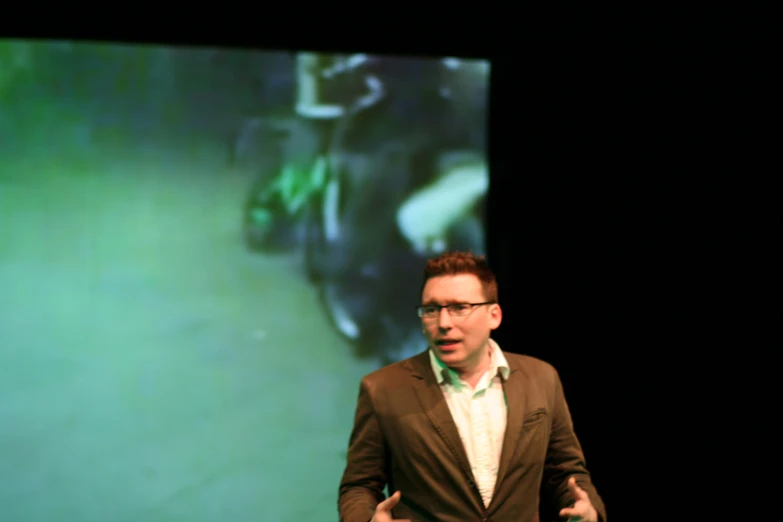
383,510
583,510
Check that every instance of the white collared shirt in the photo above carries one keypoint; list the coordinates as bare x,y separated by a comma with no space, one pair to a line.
480,416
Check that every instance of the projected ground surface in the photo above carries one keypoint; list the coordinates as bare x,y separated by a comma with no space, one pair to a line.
171,344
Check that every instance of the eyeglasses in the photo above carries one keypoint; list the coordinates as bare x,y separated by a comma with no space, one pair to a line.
454,309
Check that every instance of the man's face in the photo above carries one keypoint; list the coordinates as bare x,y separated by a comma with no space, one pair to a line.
458,341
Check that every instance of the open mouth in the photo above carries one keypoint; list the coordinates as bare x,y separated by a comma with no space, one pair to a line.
447,344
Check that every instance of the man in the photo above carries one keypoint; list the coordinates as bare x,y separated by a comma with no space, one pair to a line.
463,431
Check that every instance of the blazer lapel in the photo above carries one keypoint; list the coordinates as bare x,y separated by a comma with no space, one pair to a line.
514,389
434,404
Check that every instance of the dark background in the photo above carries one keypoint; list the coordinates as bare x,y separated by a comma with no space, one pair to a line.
607,231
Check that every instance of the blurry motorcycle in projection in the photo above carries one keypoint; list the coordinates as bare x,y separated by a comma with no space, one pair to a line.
385,190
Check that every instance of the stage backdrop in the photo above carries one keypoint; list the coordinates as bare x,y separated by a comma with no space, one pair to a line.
202,251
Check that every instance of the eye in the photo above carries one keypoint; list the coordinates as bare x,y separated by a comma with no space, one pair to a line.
458,307
429,310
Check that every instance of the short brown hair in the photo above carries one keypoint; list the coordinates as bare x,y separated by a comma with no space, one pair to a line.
457,263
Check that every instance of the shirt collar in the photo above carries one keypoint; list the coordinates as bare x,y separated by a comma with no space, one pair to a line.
498,365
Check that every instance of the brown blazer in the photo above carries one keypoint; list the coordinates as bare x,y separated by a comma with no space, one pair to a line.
404,436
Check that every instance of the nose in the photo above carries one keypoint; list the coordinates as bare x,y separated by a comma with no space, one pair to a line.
444,319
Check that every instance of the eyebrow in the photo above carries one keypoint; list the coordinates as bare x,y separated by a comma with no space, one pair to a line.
446,302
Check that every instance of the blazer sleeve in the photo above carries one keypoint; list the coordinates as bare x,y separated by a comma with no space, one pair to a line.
565,459
366,471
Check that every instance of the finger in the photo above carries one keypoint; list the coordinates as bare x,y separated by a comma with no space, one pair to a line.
576,491
389,503
569,512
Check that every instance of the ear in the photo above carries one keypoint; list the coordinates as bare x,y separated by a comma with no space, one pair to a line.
495,316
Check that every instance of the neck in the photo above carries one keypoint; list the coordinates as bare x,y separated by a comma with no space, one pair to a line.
475,368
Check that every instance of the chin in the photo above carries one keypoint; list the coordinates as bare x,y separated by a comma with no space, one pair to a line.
451,357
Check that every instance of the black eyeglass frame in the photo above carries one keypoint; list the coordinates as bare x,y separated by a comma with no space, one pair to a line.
471,307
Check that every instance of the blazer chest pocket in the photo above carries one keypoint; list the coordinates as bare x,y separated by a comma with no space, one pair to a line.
534,438
534,418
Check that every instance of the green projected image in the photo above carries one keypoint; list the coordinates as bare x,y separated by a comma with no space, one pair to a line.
202,251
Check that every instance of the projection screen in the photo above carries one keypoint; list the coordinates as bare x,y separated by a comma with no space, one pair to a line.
202,251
